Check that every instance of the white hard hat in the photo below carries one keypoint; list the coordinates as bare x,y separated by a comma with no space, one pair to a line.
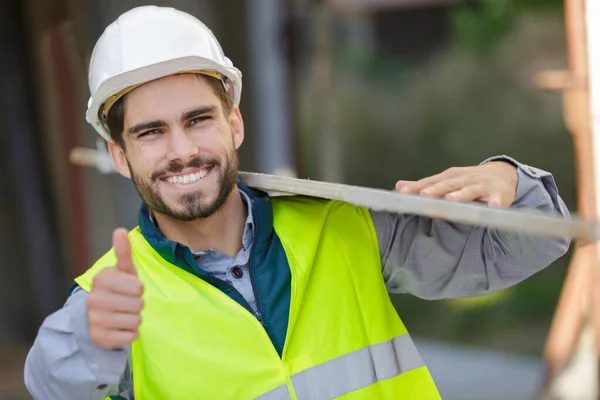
148,43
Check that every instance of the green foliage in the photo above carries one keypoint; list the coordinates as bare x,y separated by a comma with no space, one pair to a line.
479,28
539,5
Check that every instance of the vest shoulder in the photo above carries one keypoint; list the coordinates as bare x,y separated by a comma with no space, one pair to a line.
304,224
109,259
303,212
315,204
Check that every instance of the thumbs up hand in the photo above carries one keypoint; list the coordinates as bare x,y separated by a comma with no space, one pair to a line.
123,250
115,301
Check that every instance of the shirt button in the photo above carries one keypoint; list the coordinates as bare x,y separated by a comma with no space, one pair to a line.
101,387
237,272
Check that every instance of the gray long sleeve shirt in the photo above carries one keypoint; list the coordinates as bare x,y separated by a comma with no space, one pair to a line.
430,259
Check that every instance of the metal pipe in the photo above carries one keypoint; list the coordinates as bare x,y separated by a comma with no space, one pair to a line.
269,74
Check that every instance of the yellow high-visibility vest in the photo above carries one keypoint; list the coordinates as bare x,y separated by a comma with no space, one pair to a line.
344,337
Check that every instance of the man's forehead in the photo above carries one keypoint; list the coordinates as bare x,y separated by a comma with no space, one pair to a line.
169,97
187,84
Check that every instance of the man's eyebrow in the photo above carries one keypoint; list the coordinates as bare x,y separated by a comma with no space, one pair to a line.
146,125
198,111
185,116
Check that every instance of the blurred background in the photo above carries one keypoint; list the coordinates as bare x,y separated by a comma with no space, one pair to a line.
364,92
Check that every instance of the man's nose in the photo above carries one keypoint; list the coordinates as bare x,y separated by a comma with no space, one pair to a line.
180,146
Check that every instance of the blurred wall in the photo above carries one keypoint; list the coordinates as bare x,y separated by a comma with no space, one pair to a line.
31,267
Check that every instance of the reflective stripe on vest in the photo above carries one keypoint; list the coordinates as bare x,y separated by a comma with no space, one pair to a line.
352,371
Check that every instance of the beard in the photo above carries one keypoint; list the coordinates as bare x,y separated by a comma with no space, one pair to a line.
196,205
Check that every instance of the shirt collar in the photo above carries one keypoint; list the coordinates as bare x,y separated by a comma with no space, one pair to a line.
249,226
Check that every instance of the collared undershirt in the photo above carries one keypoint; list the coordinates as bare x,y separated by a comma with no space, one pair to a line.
227,268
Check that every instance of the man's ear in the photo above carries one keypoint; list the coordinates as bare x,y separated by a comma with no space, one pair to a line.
237,126
117,153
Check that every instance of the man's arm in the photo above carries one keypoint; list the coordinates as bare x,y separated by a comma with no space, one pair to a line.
64,363
434,259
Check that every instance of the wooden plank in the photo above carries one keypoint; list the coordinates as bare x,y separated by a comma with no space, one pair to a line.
518,220
477,214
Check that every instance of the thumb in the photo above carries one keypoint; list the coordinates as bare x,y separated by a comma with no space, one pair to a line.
123,250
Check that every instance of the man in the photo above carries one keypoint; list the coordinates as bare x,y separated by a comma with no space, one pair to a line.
224,293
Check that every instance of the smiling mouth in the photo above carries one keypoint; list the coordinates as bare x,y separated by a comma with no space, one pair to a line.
186,179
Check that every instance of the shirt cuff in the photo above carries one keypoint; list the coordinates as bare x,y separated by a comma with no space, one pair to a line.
528,177
107,364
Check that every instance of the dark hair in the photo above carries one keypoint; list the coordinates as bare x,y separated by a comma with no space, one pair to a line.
116,115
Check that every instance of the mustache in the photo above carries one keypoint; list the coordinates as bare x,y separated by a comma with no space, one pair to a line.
176,167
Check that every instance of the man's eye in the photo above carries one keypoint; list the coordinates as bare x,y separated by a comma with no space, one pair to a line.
197,120
148,133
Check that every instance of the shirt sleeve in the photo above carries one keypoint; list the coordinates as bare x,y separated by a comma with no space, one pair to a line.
435,259
64,363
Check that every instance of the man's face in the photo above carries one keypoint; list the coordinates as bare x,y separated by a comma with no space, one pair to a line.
180,148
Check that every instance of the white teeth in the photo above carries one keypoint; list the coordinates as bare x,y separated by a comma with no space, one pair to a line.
187,179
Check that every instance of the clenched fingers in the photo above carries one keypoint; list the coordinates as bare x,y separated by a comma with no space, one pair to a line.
110,320
115,281
100,300
110,339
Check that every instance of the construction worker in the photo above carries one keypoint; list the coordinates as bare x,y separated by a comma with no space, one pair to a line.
224,293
